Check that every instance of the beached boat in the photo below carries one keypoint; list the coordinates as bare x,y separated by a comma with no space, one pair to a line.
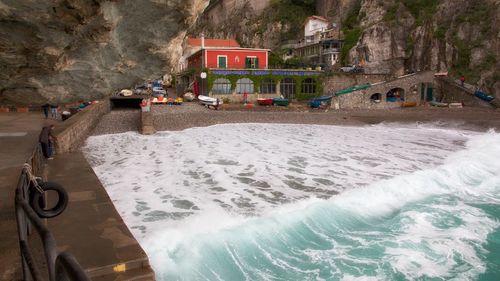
409,104
280,101
317,102
323,98
208,100
484,96
438,104
265,101
188,96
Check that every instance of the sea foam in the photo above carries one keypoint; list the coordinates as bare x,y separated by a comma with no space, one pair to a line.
295,202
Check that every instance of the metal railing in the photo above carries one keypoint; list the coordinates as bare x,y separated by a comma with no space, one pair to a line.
62,266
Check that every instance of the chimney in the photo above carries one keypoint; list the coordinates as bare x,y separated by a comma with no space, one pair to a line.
203,40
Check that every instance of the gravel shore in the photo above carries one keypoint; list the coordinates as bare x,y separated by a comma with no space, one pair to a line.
118,121
188,115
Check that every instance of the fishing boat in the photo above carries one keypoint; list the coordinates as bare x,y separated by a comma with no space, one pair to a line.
265,101
208,100
317,102
323,98
483,96
280,101
409,104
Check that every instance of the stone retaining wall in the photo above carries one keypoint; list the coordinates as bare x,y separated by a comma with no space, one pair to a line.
340,81
72,133
449,91
147,127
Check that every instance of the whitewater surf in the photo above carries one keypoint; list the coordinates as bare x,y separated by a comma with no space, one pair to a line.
302,202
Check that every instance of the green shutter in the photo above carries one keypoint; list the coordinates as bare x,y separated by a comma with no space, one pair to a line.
222,62
256,62
248,63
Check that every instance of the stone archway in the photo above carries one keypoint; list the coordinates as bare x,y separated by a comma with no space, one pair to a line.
395,95
376,98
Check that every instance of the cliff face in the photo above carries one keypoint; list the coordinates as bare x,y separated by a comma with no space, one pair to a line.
64,50
398,36
260,24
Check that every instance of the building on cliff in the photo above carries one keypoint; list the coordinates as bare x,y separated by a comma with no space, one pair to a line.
230,71
321,44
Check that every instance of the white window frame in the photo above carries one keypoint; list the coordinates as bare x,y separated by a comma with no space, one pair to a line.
252,57
220,56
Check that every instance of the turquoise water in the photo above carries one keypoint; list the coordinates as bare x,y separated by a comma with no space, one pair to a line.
437,224
261,202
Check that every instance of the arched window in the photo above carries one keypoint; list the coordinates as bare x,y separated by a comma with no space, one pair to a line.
222,86
244,85
287,88
309,86
267,86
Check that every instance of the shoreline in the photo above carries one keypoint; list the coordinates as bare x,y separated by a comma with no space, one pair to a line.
191,115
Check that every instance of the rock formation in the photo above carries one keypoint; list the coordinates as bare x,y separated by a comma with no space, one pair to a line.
399,36
63,50
67,50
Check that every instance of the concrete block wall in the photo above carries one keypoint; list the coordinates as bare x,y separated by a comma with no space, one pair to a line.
72,133
147,126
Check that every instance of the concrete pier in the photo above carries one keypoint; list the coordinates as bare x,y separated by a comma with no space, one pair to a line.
90,228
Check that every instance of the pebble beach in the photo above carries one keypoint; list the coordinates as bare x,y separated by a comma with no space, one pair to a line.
191,114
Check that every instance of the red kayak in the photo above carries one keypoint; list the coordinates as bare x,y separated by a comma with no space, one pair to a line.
265,101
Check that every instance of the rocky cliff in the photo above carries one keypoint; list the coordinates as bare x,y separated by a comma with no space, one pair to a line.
399,36
63,50
260,24
66,50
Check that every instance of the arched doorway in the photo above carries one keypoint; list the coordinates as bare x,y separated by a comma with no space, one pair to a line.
287,88
244,85
376,98
395,95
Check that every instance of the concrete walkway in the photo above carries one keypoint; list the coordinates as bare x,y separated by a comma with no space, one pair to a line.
90,228
18,136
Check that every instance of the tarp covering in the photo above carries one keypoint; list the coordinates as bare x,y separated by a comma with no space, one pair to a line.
353,89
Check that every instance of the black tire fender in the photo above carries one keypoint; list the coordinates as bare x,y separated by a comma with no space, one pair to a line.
37,201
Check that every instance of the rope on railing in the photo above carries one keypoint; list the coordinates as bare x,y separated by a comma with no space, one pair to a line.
61,266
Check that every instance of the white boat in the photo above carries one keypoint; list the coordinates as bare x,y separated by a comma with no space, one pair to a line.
188,96
126,93
208,100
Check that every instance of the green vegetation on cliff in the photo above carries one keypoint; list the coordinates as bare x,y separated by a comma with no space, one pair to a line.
352,31
421,10
291,13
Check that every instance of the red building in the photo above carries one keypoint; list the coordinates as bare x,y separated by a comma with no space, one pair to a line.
213,64
230,58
